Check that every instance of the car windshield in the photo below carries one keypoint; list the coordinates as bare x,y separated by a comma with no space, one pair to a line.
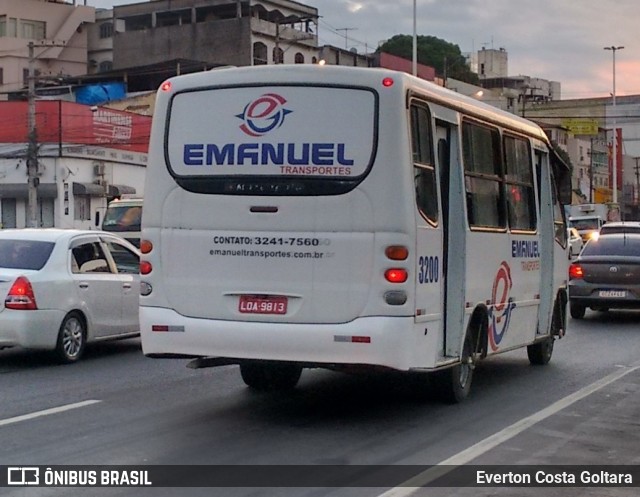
585,224
127,218
24,254
613,245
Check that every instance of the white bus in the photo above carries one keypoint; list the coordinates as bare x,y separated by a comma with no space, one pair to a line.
317,216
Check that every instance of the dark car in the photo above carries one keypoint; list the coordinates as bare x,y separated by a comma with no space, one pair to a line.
620,227
606,275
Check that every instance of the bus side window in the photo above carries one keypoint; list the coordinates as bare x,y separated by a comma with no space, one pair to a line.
483,176
423,163
521,202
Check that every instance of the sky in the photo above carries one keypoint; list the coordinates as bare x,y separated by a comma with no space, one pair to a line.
557,40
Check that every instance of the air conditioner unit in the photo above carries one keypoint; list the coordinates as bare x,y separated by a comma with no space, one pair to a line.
98,169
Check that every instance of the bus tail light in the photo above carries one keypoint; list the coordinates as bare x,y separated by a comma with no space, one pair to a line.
396,275
145,267
397,252
575,272
146,246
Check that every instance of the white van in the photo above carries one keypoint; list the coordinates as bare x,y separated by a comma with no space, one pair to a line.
318,216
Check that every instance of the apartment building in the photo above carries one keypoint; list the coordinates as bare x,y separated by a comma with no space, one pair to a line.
58,32
228,32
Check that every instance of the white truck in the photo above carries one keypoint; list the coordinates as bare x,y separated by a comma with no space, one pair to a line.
589,218
123,217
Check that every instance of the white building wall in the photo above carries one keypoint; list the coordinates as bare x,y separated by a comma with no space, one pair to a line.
64,172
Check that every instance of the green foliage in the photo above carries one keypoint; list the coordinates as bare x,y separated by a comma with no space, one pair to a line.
443,56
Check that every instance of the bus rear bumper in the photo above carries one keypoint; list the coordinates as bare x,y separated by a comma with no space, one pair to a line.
390,342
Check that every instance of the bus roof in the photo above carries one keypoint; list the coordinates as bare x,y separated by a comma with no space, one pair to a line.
350,76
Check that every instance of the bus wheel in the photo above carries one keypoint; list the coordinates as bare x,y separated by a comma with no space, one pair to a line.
539,353
454,384
265,376
577,310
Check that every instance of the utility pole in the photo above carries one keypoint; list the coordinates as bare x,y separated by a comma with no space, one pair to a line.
33,180
32,147
346,30
591,172
637,170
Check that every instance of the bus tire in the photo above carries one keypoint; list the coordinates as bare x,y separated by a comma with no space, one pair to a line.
577,310
539,353
269,376
454,384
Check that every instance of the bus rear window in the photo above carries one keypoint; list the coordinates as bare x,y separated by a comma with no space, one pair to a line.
276,140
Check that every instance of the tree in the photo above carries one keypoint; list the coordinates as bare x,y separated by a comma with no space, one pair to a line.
443,56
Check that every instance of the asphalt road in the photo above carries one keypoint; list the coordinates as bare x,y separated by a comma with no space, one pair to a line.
125,409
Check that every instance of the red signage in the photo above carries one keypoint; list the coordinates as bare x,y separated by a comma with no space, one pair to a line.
70,123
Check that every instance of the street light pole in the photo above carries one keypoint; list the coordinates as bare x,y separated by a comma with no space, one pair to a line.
414,60
613,49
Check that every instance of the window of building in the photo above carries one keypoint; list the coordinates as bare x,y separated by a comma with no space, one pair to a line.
105,65
1,76
32,30
424,172
299,58
278,55
259,54
106,30
8,27
483,176
82,208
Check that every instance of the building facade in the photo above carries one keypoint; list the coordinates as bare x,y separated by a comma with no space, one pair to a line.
85,157
238,33
58,32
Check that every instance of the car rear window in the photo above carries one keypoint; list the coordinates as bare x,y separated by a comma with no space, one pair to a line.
619,229
613,245
24,254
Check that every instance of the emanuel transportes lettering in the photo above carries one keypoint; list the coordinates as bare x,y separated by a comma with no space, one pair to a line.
262,154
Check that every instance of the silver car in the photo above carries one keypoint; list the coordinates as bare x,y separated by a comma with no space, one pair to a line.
61,289
606,275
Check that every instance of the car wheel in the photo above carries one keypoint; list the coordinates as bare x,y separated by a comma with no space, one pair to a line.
577,310
72,339
266,376
539,353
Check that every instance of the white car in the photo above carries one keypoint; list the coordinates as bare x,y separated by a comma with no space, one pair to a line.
575,242
61,289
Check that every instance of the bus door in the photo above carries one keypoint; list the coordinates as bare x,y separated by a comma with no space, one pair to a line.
454,227
547,235
428,295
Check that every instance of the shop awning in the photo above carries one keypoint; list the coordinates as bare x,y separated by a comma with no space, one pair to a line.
21,190
118,190
90,189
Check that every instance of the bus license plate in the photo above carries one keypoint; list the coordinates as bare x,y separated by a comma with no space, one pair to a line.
613,294
262,304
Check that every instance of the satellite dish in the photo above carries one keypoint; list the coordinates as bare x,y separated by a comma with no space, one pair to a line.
353,50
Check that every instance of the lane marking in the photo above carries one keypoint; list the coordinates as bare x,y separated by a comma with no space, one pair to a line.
46,412
414,484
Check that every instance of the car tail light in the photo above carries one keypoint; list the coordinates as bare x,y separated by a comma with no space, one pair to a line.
145,267
575,272
396,275
20,296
